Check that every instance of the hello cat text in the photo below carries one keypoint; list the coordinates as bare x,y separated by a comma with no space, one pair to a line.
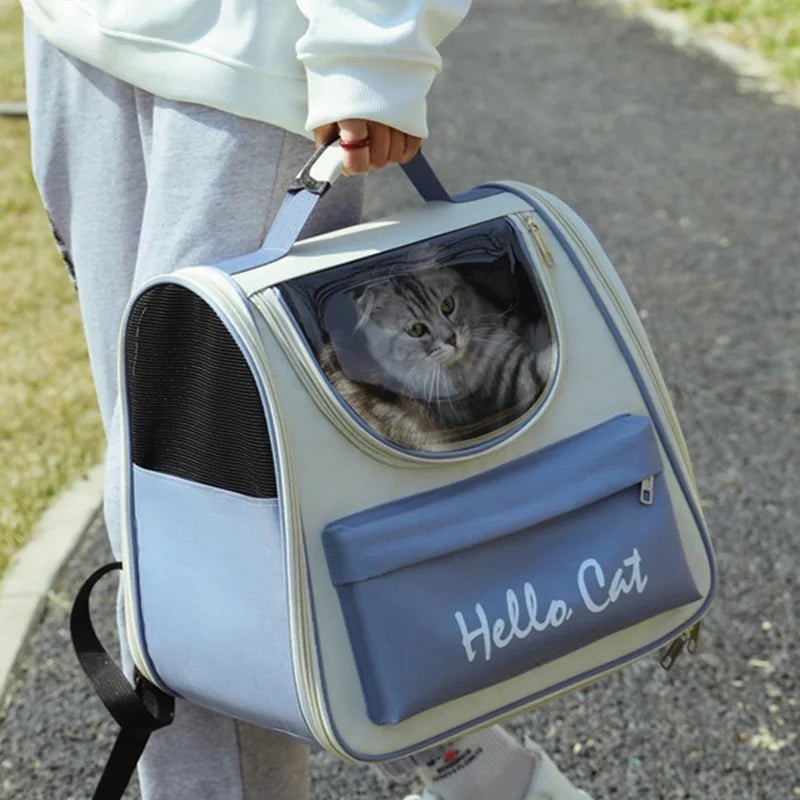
597,593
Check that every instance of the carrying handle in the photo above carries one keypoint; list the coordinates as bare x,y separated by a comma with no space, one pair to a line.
323,168
318,174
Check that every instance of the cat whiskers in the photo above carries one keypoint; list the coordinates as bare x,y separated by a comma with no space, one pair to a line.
478,329
415,366
430,387
430,378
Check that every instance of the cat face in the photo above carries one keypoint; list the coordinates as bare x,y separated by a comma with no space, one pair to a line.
420,328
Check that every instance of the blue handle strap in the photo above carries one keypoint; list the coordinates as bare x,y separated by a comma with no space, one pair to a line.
303,196
292,215
421,174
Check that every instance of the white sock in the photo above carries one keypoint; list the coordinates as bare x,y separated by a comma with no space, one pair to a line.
489,763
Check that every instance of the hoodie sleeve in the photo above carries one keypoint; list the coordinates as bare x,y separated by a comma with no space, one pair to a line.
374,59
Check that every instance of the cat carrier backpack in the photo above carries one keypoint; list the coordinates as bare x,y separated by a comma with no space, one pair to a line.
388,485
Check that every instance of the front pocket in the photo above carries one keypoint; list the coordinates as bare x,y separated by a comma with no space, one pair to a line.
465,586
211,595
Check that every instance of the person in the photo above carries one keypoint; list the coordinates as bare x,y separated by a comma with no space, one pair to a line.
163,135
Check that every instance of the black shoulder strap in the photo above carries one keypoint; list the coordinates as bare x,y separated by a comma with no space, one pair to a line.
139,709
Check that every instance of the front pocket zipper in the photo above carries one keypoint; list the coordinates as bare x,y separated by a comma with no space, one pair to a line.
646,492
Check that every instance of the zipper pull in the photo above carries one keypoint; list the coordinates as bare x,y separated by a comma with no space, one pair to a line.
674,650
538,237
694,638
646,492
689,639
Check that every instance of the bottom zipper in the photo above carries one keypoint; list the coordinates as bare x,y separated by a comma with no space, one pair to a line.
689,639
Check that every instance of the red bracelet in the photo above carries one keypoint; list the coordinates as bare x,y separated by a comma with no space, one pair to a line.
354,144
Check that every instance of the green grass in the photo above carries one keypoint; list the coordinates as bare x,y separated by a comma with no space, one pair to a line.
12,77
50,430
772,27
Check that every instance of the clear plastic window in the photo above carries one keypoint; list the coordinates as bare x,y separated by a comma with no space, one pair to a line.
436,346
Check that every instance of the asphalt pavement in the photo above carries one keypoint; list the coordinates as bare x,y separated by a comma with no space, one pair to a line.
694,190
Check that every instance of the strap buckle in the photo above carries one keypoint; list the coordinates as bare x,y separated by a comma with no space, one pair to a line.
321,170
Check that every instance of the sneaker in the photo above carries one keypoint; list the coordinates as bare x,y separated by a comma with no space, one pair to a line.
548,782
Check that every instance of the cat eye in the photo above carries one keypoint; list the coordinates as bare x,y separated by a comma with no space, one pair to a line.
417,330
448,304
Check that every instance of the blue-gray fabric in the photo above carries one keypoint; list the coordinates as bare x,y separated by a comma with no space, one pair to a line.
289,221
212,596
548,528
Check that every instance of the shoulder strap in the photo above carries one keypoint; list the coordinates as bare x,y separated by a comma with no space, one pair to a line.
138,709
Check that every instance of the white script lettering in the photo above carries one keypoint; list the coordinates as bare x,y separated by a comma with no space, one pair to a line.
504,631
597,595
618,586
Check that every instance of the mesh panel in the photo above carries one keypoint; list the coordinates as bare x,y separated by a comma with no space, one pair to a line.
195,411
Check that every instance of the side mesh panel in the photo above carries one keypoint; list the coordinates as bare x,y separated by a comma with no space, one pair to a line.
194,407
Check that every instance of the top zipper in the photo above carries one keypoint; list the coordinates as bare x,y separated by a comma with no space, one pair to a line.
635,334
538,237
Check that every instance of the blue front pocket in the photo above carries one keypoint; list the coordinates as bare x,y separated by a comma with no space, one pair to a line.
465,586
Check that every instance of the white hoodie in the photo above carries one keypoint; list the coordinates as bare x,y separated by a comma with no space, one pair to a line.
297,64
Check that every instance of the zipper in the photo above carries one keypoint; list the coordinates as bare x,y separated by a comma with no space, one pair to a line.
688,639
694,638
541,243
636,336
646,491
685,639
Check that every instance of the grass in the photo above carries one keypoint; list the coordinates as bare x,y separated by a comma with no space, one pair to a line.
771,27
50,430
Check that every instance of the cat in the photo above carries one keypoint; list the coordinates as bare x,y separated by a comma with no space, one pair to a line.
446,364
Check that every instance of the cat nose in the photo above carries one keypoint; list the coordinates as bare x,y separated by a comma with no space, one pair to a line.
451,340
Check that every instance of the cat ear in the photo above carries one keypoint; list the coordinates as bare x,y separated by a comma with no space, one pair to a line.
423,256
364,305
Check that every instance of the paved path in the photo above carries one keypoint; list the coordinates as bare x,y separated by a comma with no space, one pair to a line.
694,190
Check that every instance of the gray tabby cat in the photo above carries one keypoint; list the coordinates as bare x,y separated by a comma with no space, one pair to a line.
452,366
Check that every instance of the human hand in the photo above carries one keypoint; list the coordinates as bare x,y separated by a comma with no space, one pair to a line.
384,146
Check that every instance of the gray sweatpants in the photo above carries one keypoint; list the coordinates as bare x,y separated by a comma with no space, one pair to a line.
136,185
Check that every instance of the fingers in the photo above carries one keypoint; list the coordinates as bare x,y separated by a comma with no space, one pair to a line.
325,133
412,146
397,146
385,145
380,142
356,161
